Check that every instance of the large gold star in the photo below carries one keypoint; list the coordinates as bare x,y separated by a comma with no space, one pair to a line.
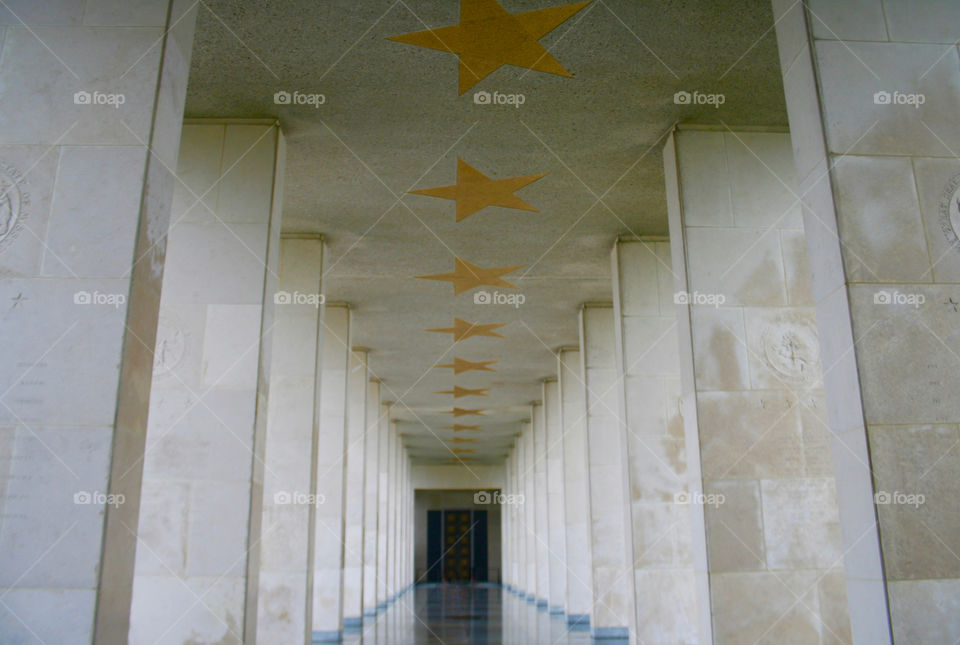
456,427
462,329
467,276
474,191
462,412
488,37
460,392
461,365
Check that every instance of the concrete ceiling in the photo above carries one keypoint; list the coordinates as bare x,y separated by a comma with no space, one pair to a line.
393,121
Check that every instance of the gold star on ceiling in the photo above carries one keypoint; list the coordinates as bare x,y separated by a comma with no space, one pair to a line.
488,37
462,329
467,276
474,191
456,427
461,365
463,412
460,451
464,440
459,392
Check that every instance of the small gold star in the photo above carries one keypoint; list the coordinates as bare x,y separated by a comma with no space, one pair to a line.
460,451
462,329
464,440
463,412
461,365
456,427
459,392
474,191
488,37
466,276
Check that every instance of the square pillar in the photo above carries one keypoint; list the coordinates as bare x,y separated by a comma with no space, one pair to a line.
556,523
353,498
328,456
609,482
286,572
873,96
576,487
87,197
752,370
673,604
542,514
383,514
371,492
528,474
202,497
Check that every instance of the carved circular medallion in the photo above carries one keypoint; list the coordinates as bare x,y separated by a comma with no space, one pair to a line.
13,199
950,212
792,351
171,344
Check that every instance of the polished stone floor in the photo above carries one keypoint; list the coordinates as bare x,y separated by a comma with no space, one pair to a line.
457,614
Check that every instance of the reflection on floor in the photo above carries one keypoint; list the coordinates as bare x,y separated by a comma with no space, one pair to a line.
458,614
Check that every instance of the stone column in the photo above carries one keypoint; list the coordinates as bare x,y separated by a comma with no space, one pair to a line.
201,505
81,262
383,514
522,509
673,604
556,526
506,552
354,478
608,471
286,572
873,98
371,493
541,511
528,474
751,369
328,550
576,487
394,460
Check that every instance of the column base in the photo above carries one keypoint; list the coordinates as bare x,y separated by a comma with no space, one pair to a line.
369,613
353,622
578,619
556,610
381,606
542,605
610,634
328,637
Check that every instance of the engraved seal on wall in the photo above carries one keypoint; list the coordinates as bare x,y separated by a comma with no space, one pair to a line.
792,351
13,201
950,212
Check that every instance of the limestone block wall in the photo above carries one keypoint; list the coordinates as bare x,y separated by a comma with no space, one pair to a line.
769,496
873,97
